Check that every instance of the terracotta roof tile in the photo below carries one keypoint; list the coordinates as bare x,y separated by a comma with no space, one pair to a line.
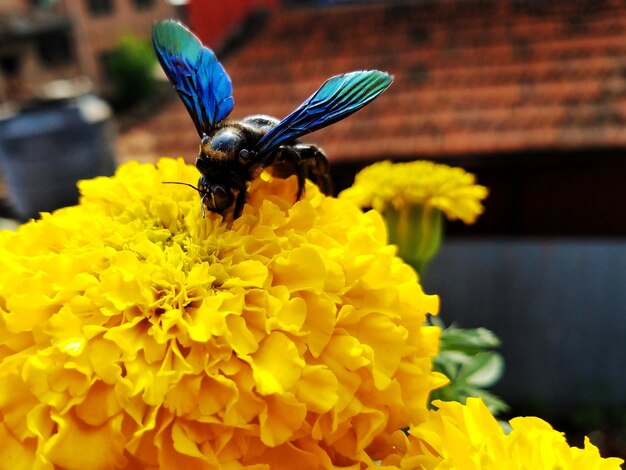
470,77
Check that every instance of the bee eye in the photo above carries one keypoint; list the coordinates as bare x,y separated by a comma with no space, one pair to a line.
202,184
244,156
219,198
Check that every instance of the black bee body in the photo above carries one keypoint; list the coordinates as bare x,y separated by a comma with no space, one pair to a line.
227,161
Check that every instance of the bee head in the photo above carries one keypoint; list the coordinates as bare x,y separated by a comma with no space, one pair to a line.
214,196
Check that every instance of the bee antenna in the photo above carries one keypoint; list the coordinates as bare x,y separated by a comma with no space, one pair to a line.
180,182
202,205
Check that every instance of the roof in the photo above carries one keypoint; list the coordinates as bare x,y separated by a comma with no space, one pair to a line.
471,77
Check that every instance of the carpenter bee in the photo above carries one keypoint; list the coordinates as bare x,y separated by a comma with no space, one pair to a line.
233,153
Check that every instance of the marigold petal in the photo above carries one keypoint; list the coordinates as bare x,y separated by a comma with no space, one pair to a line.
183,443
290,316
469,437
215,393
377,331
321,318
120,282
248,273
282,416
301,268
29,310
276,365
79,446
589,458
15,454
349,351
14,391
318,388
297,454
424,183
208,319
99,405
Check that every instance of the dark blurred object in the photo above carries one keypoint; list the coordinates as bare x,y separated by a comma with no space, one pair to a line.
49,145
130,66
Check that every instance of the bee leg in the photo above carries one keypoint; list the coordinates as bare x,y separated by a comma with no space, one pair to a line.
317,166
287,161
202,205
301,181
240,202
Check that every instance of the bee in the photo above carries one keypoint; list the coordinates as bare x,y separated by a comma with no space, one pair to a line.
233,153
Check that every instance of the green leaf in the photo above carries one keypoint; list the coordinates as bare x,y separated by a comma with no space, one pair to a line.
467,359
483,370
469,340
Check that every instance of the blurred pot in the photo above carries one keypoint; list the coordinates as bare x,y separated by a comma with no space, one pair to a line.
51,144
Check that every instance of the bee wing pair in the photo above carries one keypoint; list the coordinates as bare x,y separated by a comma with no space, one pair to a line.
206,89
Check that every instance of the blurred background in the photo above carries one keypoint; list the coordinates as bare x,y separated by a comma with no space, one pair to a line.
530,95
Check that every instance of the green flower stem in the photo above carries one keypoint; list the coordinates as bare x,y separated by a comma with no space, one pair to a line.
417,231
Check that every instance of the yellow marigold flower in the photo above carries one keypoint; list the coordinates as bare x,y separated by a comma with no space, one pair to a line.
468,437
420,183
412,197
136,334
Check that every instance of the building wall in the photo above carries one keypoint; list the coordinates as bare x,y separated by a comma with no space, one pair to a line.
558,305
90,36
13,6
33,74
96,35
29,40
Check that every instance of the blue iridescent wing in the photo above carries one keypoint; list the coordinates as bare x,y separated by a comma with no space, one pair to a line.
336,99
200,80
